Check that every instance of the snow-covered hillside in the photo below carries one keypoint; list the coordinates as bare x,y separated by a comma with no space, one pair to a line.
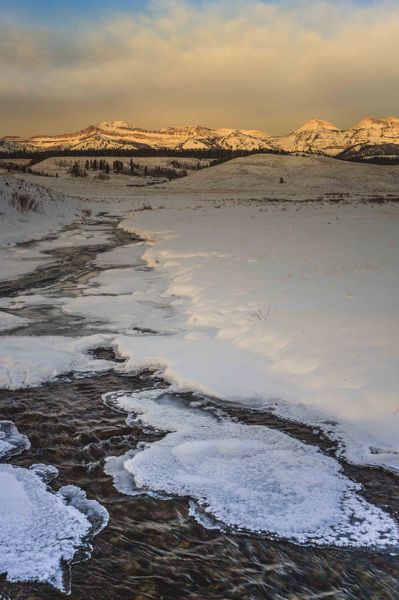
299,177
316,136
29,212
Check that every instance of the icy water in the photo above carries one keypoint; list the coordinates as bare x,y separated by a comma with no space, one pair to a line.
151,548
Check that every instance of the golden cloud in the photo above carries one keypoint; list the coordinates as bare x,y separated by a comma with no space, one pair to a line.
235,64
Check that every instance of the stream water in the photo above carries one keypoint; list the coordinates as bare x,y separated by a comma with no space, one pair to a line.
152,548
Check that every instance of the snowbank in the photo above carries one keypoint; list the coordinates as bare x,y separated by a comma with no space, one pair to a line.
290,308
48,213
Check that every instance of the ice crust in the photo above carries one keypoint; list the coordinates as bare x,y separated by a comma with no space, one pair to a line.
11,441
246,477
41,531
28,361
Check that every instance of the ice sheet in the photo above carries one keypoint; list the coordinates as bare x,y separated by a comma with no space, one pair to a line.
247,477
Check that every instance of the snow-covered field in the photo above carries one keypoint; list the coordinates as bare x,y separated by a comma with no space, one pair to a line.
260,176
292,177
288,307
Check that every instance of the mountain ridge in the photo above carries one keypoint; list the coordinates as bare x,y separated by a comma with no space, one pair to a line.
316,136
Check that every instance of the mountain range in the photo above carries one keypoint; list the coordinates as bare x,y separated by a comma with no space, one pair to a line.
315,136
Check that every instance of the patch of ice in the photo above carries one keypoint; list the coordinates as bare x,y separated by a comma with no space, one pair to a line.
41,531
248,477
28,361
140,284
11,441
9,322
123,479
121,256
124,313
96,514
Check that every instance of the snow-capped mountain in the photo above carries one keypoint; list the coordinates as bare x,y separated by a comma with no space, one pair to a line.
115,135
315,136
322,137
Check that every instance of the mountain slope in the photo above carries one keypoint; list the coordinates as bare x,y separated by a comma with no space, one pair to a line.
316,137
373,153
120,135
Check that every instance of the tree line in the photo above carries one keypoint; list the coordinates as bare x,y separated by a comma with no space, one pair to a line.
216,154
119,167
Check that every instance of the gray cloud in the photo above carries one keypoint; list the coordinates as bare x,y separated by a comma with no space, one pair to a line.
235,64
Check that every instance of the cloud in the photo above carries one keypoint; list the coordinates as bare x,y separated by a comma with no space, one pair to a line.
239,63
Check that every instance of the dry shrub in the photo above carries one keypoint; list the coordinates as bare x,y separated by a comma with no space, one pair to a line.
24,203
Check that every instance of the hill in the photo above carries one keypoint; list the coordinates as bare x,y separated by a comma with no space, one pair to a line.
289,176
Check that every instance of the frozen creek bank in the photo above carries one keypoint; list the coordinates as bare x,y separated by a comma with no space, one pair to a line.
40,531
167,312
288,307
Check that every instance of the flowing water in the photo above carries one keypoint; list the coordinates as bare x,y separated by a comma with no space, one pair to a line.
152,548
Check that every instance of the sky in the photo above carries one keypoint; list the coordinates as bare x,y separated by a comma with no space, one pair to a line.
253,64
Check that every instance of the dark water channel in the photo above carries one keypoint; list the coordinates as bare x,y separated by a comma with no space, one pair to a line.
151,548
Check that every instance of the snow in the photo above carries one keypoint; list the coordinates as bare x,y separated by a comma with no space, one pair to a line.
247,477
316,124
40,530
121,256
28,361
304,178
283,308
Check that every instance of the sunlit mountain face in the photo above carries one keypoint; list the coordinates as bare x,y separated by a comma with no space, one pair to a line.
315,136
